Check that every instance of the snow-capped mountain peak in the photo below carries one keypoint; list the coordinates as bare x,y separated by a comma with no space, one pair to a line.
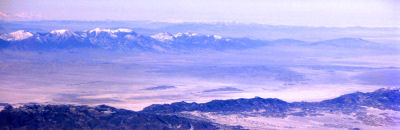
122,30
185,34
163,37
60,31
190,34
217,37
98,30
112,33
170,37
178,35
16,36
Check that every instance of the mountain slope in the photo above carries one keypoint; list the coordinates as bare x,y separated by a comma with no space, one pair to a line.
380,99
348,43
83,117
372,110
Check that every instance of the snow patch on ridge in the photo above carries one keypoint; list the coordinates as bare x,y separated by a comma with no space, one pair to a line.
98,30
60,31
185,34
122,30
162,37
217,37
169,37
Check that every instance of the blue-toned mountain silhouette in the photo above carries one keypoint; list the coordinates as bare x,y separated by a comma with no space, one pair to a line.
126,39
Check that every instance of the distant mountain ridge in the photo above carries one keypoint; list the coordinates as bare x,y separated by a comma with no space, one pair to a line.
118,39
126,39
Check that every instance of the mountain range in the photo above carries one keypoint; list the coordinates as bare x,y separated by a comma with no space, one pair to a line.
374,110
84,117
126,39
380,99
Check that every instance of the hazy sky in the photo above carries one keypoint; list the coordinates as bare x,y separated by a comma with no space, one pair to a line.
376,13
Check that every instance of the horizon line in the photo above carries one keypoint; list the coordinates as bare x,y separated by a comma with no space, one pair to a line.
202,22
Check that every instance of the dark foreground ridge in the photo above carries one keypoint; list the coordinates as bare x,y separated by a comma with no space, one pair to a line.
84,117
169,116
384,99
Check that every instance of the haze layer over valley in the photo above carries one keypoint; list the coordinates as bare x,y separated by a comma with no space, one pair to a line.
127,69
